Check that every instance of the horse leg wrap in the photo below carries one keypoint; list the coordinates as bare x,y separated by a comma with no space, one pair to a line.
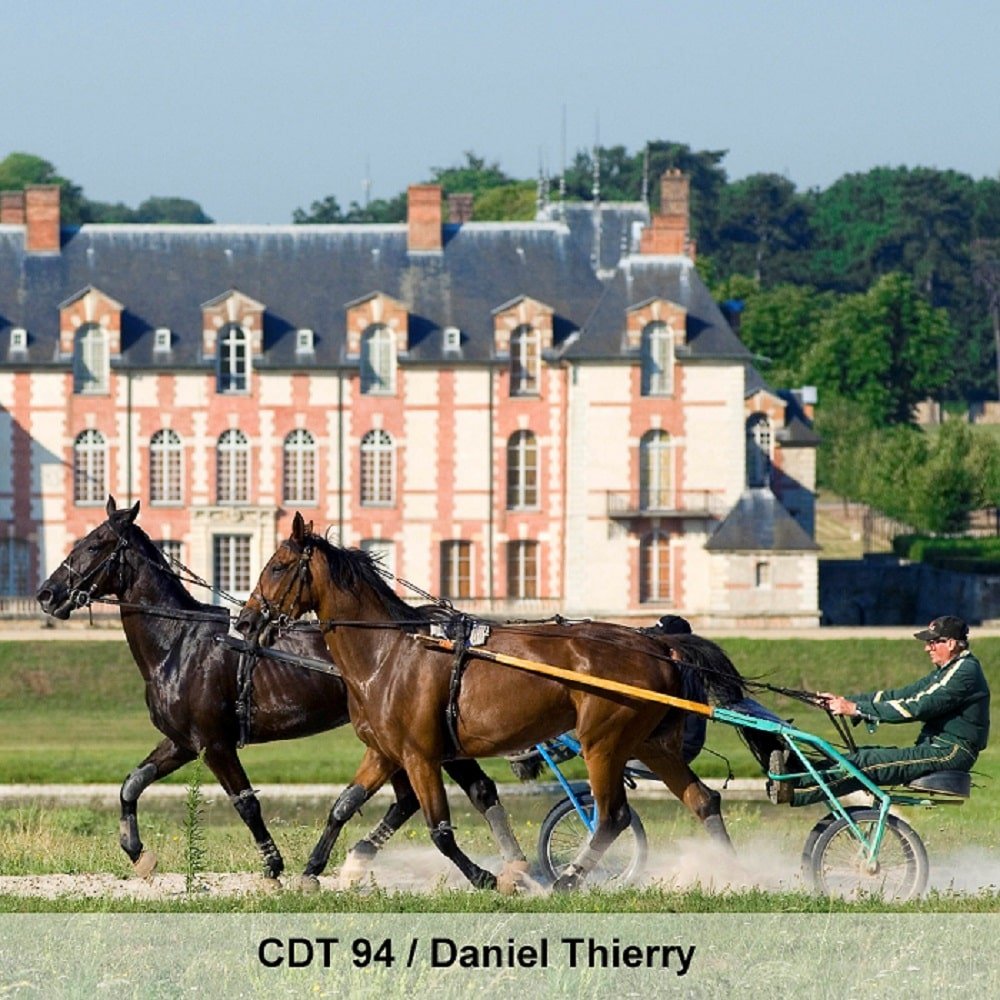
499,822
349,801
375,840
140,779
128,825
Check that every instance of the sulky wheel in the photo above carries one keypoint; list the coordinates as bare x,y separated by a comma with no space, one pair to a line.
836,865
564,834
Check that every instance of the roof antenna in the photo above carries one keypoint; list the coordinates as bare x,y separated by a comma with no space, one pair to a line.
596,192
562,172
366,184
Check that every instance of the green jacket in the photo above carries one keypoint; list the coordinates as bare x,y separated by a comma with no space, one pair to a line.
953,703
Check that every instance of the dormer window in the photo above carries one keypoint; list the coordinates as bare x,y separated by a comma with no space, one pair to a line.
233,360
378,361
305,342
18,340
451,338
161,340
91,364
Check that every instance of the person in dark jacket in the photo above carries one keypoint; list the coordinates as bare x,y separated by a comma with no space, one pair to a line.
952,702
692,688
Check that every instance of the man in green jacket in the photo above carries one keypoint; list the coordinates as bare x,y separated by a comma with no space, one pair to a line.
952,702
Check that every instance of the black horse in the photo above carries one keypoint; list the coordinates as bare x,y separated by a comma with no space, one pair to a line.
192,690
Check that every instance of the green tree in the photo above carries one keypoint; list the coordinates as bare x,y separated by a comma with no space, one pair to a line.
763,229
18,170
171,210
510,202
884,350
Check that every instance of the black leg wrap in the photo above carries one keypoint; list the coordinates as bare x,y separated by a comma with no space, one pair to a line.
128,826
348,803
444,840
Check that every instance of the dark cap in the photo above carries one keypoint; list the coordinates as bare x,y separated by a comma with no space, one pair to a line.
945,627
674,625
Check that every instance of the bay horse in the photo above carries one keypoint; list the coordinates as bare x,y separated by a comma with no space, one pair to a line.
191,681
399,687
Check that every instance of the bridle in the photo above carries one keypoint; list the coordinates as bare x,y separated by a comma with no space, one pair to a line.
83,592
270,615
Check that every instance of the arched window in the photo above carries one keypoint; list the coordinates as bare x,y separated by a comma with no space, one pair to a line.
377,473
233,360
656,481
90,360
89,468
166,455
378,361
233,468
657,360
522,471
758,450
654,574
525,356
300,467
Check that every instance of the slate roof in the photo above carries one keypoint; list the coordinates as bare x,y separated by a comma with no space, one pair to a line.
306,275
759,523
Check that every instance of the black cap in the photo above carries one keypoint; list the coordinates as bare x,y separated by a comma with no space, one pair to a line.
945,627
674,625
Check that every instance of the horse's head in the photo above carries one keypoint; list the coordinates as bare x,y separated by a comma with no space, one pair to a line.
284,591
93,567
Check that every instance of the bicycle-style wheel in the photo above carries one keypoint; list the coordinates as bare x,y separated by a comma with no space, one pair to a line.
564,834
838,867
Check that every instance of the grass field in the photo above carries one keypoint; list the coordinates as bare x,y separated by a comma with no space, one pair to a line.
74,712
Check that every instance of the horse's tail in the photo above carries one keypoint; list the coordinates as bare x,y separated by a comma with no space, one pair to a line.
708,663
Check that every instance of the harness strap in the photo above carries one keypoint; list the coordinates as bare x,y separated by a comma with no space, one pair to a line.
459,631
244,695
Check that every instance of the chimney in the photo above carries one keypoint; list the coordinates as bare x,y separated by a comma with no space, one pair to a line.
459,208
423,217
667,232
41,209
11,208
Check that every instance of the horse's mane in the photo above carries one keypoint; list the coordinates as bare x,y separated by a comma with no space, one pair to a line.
351,567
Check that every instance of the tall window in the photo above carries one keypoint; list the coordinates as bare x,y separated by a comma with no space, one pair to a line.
456,569
377,479
15,567
90,360
657,360
522,569
378,361
233,360
525,355
232,461
758,450
654,571
522,471
300,467
231,565
656,487
89,472
166,455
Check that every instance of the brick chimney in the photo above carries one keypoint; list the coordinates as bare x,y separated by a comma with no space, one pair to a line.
11,208
423,217
41,209
667,232
459,208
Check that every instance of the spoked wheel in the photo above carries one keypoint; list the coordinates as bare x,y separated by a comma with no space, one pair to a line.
564,834
836,864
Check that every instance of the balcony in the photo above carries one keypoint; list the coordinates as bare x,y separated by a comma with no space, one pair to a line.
665,503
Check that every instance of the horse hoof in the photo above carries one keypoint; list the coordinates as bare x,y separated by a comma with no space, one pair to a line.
145,864
269,883
512,877
566,883
353,870
308,883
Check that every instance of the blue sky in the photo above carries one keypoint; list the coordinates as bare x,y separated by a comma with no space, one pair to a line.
255,108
